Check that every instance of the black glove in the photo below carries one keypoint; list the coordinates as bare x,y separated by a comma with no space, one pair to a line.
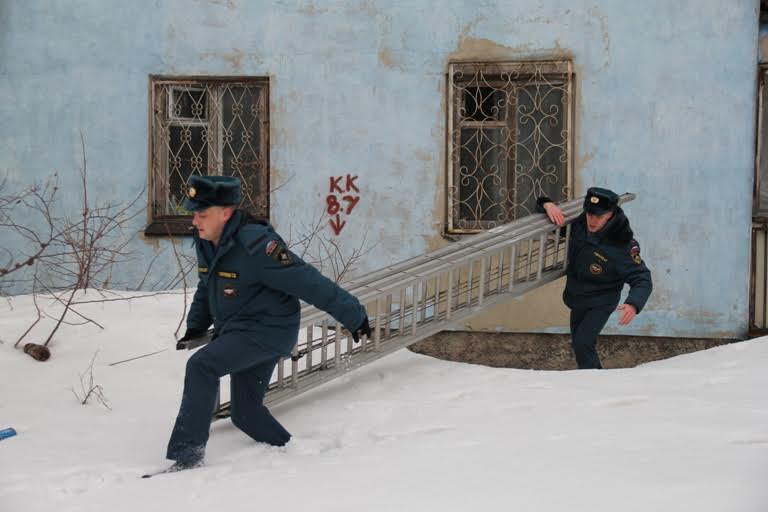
189,335
364,328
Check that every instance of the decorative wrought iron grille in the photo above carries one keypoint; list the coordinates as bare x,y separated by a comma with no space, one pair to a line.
509,140
206,126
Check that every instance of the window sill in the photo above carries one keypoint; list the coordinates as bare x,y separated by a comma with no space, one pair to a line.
169,226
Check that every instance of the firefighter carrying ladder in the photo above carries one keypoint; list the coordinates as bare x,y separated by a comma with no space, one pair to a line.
421,296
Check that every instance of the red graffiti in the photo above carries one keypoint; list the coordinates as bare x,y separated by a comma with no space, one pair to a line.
335,184
351,202
337,224
334,206
351,184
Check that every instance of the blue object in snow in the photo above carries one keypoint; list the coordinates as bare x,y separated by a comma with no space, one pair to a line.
7,432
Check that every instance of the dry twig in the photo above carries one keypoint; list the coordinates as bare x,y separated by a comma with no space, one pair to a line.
89,388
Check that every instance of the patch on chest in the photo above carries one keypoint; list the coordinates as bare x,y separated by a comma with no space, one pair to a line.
595,269
230,291
600,256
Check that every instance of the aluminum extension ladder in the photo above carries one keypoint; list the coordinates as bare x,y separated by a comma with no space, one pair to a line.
421,296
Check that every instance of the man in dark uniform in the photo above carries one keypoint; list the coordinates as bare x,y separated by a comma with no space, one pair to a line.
602,256
249,289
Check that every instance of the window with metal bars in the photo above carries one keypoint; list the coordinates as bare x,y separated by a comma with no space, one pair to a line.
206,126
509,140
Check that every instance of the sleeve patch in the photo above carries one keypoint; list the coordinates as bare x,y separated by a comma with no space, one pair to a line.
278,252
282,256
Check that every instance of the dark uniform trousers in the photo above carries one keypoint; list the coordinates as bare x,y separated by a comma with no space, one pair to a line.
250,367
586,324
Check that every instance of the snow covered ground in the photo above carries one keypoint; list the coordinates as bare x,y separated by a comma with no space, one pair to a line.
408,433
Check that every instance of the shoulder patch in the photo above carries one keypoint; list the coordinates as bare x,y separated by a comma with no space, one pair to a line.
634,252
277,250
271,246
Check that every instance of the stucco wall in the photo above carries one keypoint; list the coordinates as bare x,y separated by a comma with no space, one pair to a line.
665,108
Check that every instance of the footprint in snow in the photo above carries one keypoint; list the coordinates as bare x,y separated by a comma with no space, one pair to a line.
621,402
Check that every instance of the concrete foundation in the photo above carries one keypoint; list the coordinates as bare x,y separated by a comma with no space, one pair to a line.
537,351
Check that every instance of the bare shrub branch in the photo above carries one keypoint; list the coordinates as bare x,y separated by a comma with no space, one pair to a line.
184,273
72,253
88,387
326,253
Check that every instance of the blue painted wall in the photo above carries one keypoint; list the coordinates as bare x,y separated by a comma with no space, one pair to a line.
665,107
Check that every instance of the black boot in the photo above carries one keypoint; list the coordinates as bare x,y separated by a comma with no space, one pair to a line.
179,465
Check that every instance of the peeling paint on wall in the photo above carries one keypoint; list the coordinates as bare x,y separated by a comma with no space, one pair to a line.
310,9
234,58
387,60
229,4
603,22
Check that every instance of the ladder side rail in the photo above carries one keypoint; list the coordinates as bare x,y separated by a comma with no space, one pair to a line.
570,208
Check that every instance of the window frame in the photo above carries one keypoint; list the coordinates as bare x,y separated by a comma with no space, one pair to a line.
760,182
547,69
161,89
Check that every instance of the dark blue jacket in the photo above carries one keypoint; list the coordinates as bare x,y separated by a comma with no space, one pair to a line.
600,263
252,283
